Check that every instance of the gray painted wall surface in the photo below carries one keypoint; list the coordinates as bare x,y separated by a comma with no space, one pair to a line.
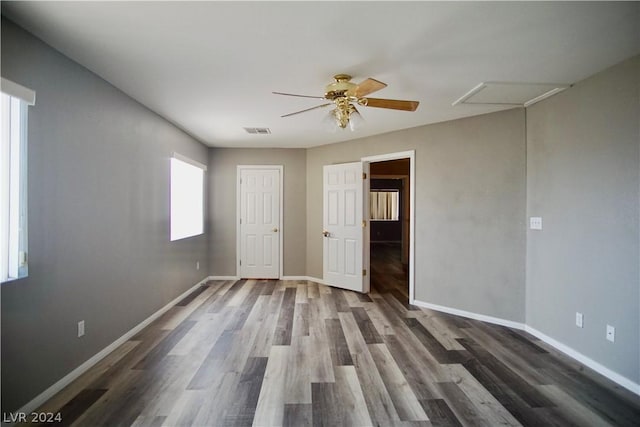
99,245
223,164
470,209
583,164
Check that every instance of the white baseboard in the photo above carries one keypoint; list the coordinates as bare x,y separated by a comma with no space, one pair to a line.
67,379
224,278
470,315
590,363
601,369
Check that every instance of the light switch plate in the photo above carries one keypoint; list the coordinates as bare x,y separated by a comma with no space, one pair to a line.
579,320
535,223
80,328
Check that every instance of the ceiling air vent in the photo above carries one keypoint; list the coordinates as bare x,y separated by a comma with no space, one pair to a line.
258,131
510,93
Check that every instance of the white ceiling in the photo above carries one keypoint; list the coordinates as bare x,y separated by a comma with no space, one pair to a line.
210,67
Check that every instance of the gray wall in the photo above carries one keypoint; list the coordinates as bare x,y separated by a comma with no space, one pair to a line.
223,164
583,162
98,220
470,209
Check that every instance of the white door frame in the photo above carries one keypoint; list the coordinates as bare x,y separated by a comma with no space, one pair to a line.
279,168
411,155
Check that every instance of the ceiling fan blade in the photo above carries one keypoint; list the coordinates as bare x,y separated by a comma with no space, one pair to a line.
300,96
308,109
393,104
369,86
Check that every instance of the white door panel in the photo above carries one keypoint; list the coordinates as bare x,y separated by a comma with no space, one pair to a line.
343,232
259,223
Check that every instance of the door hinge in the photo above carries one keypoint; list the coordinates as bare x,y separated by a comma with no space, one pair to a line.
364,272
364,223
364,175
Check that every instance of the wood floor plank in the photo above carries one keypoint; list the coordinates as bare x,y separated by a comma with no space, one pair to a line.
224,299
188,309
300,320
509,378
218,400
340,354
165,345
299,371
241,410
460,404
79,405
342,306
581,414
491,411
527,364
151,421
379,403
414,372
439,413
433,346
404,399
301,292
212,366
320,364
446,336
312,290
193,295
284,327
366,326
186,408
339,403
297,415
270,406
244,308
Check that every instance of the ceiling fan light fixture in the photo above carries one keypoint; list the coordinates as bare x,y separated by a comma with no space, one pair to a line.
355,118
329,123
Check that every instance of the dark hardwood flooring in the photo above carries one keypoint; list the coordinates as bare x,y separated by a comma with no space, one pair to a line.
274,353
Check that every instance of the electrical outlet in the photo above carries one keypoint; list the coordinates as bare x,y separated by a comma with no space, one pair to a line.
579,320
80,328
535,223
611,333
197,265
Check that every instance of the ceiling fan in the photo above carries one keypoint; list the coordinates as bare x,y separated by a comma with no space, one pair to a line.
345,94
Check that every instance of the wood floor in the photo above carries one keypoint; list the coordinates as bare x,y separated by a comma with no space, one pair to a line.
274,353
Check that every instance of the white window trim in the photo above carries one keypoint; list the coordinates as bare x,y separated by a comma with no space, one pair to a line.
18,91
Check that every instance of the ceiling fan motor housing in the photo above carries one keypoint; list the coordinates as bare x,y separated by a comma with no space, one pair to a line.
340,88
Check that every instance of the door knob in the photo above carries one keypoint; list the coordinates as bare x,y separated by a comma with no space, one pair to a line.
326,234
275,229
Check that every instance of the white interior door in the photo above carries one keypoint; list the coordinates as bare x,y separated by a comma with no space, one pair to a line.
259,235
343,232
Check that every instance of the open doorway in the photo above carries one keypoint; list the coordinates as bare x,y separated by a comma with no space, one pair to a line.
390,230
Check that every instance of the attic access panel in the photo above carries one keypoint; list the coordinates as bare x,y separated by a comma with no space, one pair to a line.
510,93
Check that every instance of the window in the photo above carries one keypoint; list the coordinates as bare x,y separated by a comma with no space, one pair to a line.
187,197
15,100
384,205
